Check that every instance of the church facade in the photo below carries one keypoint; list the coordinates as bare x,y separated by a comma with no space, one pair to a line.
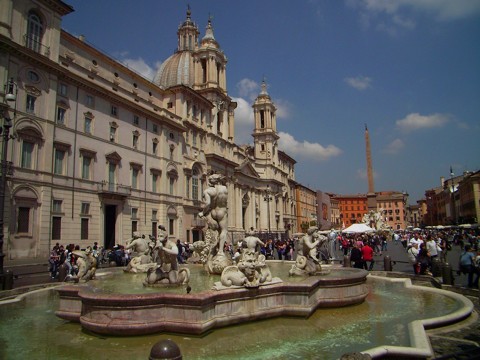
98,151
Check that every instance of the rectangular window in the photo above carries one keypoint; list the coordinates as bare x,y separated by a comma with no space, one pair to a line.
154,148
154,182
23,221
194,139
169,105
113,132
30,106
154,229
134,178
89,100
61,112
187,187
136,120
59,162
155,128
85,208
134,213
27,154
57,206
134,226
135,141
63,90
171,187
195,188
114,111
87,126
84,229
86,165
56,228
171,223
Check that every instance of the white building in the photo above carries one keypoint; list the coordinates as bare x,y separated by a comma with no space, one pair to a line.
98,151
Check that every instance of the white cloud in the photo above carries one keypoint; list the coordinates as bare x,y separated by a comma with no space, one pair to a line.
416,121
395,146
243,121
140,66
392,15
305,149
441,10
248,88
360,82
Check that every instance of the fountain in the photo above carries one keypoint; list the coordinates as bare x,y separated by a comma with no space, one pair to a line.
279,309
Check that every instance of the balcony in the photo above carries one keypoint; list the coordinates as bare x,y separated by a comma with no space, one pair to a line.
35,45
113,189
198,223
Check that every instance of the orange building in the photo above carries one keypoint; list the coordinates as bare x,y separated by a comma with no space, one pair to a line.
306,200
352,208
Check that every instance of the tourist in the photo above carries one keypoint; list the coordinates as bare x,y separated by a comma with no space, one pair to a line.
367,255
356,256
432,246
281,247
383,238
467,265
180,252
54,261
412,256
423,258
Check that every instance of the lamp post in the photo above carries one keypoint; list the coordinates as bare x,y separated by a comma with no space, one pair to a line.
268,198
10,96
452,197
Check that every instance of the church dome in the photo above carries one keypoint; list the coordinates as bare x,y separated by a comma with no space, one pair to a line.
176,70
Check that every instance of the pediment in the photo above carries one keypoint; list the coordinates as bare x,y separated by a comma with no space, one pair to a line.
247,169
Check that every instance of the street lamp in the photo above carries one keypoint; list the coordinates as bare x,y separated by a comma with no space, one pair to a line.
10,96
452,198
268,198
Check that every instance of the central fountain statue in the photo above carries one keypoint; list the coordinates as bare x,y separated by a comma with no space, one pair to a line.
215,212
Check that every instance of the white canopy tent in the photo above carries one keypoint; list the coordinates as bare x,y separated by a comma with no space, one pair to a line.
357,228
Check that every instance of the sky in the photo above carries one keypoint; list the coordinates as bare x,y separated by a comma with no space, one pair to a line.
409,70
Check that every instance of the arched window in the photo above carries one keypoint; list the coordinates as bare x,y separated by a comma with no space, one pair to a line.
195,183
34,32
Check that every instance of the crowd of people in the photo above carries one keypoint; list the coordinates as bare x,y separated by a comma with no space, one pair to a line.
423,248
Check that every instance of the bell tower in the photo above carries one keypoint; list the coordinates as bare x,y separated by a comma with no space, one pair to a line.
265,135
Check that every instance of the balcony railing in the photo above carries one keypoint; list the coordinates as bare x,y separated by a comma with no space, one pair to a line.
198,223
113,188
35,45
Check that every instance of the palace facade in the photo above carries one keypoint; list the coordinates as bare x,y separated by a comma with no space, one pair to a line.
98,151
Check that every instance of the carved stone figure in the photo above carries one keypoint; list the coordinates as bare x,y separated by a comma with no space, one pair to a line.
167,266
252,242
87,265
215,212
247,273
141,258
307,262
374,219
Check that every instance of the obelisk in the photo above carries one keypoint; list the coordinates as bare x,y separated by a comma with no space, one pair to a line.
371,196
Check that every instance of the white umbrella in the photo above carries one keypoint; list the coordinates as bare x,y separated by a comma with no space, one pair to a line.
358,228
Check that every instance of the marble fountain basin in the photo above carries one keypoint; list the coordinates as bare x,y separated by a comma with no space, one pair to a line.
118,304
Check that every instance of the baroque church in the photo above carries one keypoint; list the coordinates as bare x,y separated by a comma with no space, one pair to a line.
97,151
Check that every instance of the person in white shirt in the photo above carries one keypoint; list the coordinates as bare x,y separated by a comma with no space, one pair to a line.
412,256
432,247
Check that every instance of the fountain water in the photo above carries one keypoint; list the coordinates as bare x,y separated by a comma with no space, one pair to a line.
382,323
